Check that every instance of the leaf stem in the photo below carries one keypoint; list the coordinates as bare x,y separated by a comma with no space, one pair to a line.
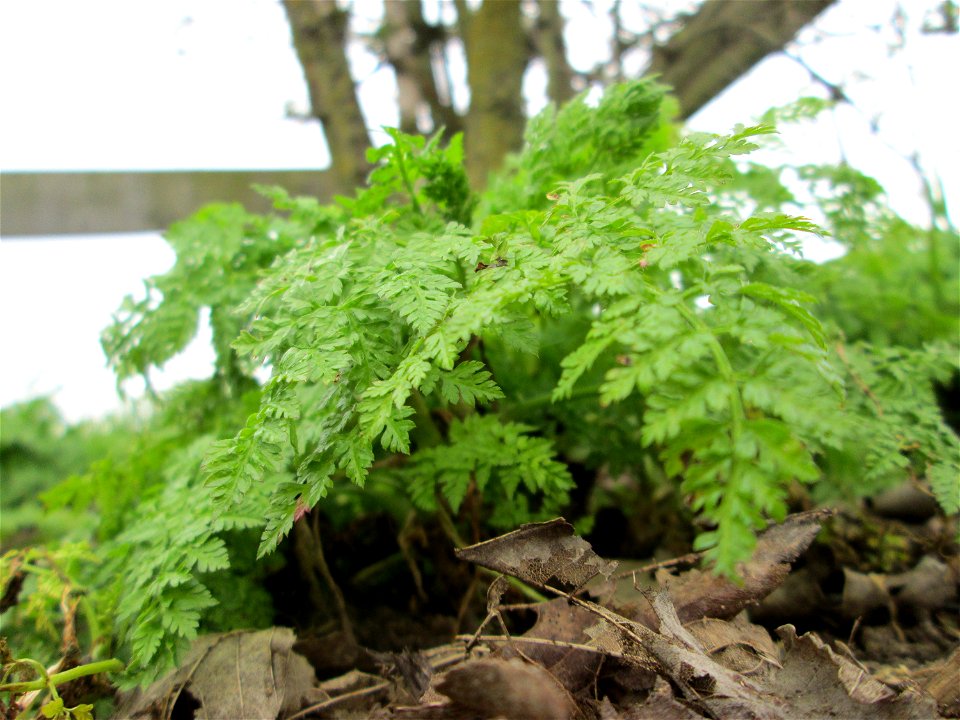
431,435
450,530
737,414
94,668
546,398
406,180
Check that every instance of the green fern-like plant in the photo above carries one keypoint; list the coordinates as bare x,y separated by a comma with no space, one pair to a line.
619,297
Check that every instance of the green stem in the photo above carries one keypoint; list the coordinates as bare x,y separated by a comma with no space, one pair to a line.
294,440
547,398
737,414
933,259
430,433
938,211
93,622
406,181
450,530
94,668
445,516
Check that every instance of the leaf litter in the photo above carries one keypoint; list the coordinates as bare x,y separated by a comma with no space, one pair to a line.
229,676
677,649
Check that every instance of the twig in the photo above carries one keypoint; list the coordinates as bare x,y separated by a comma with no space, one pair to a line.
406,549
69,644
836,92
688,559
444,515
864,388
171,699
507,640
321,563
352,695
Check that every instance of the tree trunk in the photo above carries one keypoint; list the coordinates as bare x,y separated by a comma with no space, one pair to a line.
723,40
497,55
548,38
319,35
409,44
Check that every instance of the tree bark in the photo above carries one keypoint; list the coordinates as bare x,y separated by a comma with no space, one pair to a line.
409,44
497,55
319,35
723,40
548,38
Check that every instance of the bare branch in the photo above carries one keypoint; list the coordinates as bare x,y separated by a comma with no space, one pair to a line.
409,44
723,40
320,34
548,40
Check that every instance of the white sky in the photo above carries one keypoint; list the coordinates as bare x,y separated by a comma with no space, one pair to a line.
209,84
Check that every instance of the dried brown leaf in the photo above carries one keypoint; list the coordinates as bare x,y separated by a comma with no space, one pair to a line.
493,687
659,705
412,670
677,655
546,553
862,593
739,645
819,682
233,675
558,620
696,593
941,683
930,585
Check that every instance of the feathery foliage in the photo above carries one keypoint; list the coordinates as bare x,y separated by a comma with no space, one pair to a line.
621,296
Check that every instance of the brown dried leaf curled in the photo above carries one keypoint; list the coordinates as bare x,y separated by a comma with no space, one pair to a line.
819,682
697,593
492,687
233,675
546,553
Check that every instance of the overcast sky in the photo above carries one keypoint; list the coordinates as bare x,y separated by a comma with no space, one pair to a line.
211,84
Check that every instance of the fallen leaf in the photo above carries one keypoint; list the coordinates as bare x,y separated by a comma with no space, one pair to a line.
799,596
941,683
819,682
928,586
660,704
493,687
862,593
558,620
541,554
696,593
229,676
412,669
677,655
738,645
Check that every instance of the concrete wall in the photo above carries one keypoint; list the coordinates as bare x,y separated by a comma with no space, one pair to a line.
100,202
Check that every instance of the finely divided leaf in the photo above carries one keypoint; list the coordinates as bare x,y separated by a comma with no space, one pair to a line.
469,382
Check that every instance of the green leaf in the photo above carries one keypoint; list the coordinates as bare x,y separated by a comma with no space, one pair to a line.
419,295
355,456
52,709
82,712
944,479
789,301
211,555
470,383
396,432
146,638
655,285
438,345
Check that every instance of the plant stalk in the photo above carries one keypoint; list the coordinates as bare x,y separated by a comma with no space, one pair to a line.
94,668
